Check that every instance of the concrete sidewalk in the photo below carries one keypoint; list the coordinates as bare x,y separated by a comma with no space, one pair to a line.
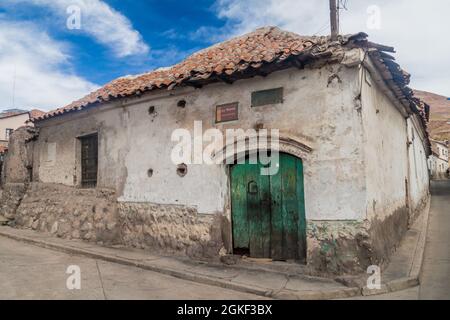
248,277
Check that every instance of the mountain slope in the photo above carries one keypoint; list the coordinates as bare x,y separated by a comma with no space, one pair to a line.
439,126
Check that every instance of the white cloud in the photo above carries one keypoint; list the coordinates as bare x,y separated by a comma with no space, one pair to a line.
41,68
102,22
414,27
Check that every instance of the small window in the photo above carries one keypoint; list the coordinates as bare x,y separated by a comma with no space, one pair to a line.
8,133
266,97
89,161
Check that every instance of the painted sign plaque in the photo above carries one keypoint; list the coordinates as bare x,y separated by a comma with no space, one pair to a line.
227,112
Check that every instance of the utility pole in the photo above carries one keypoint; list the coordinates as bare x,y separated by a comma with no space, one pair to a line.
334,19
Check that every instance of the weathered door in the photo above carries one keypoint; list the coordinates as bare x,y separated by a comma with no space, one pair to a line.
268,211
251,210
89,161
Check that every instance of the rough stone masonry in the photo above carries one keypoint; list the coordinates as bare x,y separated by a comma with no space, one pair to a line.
95,215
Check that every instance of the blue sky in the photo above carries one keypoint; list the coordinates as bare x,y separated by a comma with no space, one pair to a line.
164,25
43,64
167,27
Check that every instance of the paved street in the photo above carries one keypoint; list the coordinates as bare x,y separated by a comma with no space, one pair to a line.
436,272
435,281
29,272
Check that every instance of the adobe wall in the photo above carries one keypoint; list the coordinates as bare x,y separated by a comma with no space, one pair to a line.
397,179
356,199
318,111
17,170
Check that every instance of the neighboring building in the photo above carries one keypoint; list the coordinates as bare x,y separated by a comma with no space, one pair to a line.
11,120
3,150
439,160
352,174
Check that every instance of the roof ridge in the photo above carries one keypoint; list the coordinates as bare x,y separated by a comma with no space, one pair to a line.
261,51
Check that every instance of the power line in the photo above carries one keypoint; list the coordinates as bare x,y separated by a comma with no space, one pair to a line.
342,5
323,28
14,88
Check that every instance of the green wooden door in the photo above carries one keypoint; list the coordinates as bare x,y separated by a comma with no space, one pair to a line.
251,207
268,211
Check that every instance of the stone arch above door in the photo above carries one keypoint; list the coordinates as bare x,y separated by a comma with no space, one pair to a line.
285,145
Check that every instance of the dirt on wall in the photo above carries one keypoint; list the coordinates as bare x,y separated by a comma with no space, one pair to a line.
338,248
386,235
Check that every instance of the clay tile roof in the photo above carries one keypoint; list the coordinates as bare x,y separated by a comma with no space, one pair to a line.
221,61
260,52
35,113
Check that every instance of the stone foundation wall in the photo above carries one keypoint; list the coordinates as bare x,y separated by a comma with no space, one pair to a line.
95,215
174,229
338,247
350,247
70,213
18,163
10,199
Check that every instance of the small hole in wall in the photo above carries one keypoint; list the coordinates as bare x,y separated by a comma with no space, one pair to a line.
182,170
151,110
150,173
181,104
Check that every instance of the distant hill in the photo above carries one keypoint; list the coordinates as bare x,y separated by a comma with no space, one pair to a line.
440,114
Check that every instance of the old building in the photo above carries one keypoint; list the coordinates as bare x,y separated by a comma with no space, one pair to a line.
11,120
351,173
439,159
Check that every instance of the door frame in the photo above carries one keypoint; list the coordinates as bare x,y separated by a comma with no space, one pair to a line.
287,146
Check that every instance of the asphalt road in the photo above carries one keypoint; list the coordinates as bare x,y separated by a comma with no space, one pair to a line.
435,282
29,272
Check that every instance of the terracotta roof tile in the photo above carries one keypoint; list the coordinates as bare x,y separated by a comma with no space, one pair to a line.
35,113
262,51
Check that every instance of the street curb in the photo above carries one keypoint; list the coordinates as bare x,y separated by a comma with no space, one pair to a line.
392,286
417,265
413,280
133,263
280,294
